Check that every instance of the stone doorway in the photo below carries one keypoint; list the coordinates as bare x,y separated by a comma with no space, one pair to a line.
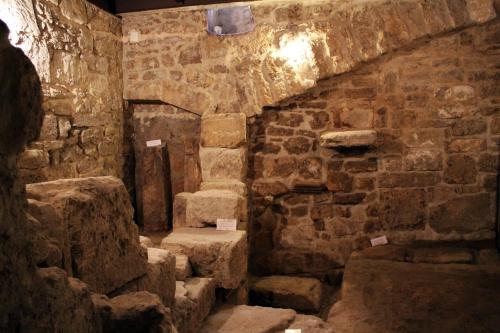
166,143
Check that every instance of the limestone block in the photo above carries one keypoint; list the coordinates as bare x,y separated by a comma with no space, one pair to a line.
297,293
249,319
66,305
374,299
310,324
154,189
230,185
182,267
134,313
463,214
161,275
159,279
221,255
481,11
223,163
104,241
442,256
194,300
225,184
53,226
205,207
33,159
179,209
225,130
146,242
348,138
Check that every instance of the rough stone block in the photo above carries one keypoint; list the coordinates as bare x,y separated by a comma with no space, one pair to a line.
134,313
403,209
375,300
235,186
104,240
465,214
179,209
311,324
67,304
182,267
348,139
205,207
246,319
154,189
159,279
225,130
221,255
194,300
223,163
146,242
303,294
54,227
442,256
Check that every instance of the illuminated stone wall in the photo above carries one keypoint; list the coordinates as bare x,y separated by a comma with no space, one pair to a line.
169,56
431,175
77,51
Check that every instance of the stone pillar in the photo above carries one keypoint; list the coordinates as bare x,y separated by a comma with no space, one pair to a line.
154,189
223,157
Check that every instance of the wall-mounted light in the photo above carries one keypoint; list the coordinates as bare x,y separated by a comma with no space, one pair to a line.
296,50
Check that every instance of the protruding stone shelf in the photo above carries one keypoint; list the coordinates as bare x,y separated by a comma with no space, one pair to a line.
340,139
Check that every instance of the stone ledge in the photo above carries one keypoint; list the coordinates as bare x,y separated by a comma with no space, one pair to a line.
341,139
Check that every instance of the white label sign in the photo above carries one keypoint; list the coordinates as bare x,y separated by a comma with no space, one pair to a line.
134,36
379,241
227,224
153,143
293,331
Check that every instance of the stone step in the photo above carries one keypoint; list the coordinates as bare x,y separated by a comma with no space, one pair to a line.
183,269
159,279
221,255
298,293
257,319
203,208
194,299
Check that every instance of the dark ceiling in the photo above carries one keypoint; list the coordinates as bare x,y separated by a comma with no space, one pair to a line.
124,6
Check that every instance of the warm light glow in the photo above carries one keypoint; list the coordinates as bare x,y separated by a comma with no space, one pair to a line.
296,50
12,21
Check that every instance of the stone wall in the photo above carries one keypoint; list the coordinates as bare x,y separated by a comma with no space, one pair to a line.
77,50
169,56
432,174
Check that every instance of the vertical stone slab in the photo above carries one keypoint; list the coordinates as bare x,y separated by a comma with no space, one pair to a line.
154,189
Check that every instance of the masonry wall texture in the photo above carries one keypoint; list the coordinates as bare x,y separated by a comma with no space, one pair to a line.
169,56
77,50
432,174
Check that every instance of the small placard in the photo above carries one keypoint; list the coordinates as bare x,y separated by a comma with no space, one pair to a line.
153,143
134,36
293,331
227,224
379,241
